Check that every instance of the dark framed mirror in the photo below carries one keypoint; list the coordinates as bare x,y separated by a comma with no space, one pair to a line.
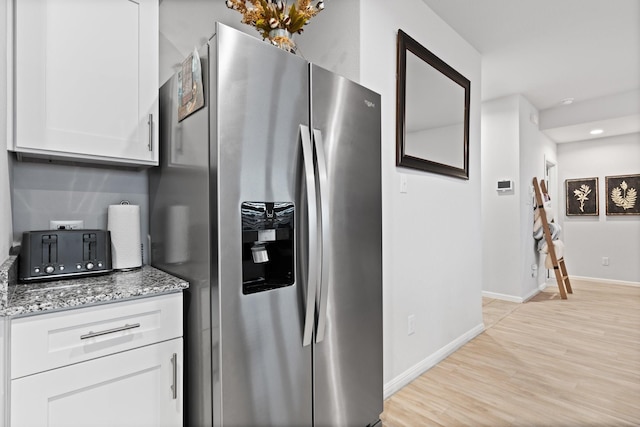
432,123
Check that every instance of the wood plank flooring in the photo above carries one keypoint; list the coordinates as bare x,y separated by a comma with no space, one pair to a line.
547,362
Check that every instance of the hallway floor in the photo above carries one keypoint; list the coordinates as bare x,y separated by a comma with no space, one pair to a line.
547,362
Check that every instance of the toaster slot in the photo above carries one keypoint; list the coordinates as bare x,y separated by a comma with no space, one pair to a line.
88,246
50,249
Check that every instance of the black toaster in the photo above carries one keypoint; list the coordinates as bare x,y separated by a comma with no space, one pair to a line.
55,254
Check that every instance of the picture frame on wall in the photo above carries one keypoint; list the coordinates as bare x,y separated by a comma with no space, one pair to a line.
622,194
582,196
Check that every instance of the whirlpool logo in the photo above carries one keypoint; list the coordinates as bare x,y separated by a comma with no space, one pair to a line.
369,103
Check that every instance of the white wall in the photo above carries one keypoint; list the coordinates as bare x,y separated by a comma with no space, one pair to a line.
549,154
531,163
501,210
331,39
512,148
5,194
432,234
588,239
188,24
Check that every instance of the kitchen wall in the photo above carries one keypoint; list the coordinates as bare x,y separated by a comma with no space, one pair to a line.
333,39
5,194
188,24
5,206
44,191
330,40
588,239
431,234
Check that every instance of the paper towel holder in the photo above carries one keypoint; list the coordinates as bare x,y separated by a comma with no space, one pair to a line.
126,246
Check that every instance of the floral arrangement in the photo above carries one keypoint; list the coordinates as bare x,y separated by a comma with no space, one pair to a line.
269,15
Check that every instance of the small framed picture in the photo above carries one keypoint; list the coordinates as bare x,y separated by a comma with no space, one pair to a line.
622,194
582,196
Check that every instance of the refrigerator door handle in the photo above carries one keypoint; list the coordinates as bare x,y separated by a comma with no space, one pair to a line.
325,222
312,270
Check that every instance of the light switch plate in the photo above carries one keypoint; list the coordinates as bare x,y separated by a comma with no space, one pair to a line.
403,183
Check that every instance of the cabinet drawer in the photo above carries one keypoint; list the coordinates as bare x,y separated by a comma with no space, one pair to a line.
48,341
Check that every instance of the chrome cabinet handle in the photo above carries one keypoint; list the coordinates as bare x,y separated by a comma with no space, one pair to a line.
310,183
174,386
92,334
150,122
325,222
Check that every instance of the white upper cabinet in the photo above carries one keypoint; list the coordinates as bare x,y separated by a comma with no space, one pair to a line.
86,80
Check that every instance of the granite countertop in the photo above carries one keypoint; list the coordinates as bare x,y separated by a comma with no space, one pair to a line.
8,274
23,299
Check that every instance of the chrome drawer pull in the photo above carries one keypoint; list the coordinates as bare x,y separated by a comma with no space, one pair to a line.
92,334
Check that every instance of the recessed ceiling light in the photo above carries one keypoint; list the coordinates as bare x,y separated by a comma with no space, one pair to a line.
567,101
596,131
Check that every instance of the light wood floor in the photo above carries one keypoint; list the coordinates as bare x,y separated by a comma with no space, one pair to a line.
547,362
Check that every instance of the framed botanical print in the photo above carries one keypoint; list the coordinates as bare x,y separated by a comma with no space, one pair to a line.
582,196
622,194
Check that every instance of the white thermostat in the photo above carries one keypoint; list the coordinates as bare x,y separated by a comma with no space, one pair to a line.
505,185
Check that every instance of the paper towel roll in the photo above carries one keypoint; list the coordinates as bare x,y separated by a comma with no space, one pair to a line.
177,234
123,221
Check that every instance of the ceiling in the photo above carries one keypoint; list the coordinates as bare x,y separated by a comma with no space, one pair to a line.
550,50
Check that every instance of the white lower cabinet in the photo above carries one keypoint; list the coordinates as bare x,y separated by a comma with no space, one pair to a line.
117,364
140,387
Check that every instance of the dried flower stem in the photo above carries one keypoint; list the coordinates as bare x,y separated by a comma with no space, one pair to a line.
267,15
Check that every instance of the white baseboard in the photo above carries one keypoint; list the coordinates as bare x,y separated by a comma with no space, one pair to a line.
420,368
607,281
504,297
512,298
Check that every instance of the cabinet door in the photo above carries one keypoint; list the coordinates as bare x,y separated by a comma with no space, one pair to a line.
86,79
132,388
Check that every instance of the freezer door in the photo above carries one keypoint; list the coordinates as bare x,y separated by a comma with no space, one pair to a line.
264,374
348,382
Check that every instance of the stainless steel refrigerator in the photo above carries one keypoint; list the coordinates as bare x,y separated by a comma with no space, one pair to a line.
268,201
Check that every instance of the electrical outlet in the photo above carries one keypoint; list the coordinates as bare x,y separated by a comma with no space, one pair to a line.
411,325
605,260
66,224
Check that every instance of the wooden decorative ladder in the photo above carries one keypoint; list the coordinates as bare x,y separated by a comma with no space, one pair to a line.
559,267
